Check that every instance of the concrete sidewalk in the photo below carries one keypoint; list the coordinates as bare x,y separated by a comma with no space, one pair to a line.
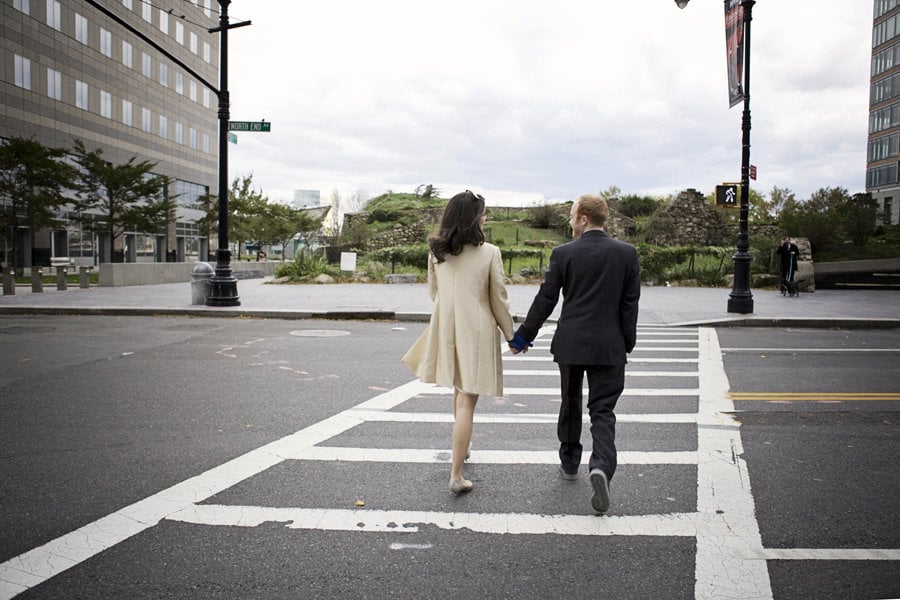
670,306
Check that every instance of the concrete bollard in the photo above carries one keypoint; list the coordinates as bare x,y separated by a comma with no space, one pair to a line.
9,283
84,277
37,280
61,283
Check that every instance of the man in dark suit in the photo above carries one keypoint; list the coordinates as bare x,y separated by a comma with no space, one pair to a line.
600,281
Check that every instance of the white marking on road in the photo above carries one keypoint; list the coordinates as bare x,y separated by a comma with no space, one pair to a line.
399,546
831,554
555,373
39,564
728,535
489,457
408,521
555,391
513,418
810,349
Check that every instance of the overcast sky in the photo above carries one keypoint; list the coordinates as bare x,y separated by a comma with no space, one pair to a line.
526,101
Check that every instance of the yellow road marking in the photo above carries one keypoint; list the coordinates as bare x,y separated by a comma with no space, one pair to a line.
814,396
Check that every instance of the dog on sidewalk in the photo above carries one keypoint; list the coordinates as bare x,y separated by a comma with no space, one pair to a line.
790,288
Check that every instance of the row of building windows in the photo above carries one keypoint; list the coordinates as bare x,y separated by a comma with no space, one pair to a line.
884,118
884,6
886,30
885,89
127,113
884,147
885,59
880,176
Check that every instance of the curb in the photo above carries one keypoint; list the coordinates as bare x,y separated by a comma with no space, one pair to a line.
424,317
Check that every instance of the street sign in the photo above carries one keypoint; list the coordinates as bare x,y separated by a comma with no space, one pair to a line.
727,195
232,138
249,126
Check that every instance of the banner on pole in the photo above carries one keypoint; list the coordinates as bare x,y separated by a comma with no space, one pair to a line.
734,50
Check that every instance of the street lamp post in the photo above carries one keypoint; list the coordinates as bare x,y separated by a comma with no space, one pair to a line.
741,298
223,285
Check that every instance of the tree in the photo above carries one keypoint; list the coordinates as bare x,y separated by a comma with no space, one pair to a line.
33,182
245,206
127,196
859,216
633,206
817,219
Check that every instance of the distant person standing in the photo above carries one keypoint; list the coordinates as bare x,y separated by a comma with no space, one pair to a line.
599,278
789,254
461,347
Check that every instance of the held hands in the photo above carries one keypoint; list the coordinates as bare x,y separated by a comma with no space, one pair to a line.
519,344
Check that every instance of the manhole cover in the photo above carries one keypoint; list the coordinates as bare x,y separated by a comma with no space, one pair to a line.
320,333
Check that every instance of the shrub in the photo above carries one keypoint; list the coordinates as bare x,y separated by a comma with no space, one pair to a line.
303,266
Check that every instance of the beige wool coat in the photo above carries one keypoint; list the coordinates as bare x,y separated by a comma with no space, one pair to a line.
461,347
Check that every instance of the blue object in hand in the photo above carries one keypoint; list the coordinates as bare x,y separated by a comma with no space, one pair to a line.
519,343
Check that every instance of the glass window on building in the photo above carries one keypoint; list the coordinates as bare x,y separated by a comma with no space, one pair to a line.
194,40
163,127
22,5
206,96
106,42
883,6
81,29
147,10
105,104
81,243
128,4
146,65
179,32
164,21
145,119
23,72
163,74
127,108
54,84
127,51
54,18
206,143
193,90
207,52
190,233
179,133
179,82
189,194
207,8
883,175
192,138
81,95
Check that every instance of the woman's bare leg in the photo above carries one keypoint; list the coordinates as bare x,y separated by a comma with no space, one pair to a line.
464,405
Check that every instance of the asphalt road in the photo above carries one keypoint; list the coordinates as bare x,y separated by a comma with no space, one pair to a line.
226,458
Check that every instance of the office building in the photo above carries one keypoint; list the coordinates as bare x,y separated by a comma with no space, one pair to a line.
884,111
72,72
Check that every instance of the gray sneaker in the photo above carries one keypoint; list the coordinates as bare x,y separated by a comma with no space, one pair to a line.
600,499
563,474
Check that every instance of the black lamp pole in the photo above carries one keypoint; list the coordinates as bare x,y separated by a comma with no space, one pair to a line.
741,299
223,285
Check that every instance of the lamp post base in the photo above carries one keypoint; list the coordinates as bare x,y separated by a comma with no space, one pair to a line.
741,298
223,285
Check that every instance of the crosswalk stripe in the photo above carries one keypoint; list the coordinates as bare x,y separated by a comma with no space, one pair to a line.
813,396
513,418
490,457
555,373
409,521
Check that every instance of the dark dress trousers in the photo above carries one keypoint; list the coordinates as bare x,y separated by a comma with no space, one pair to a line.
599,278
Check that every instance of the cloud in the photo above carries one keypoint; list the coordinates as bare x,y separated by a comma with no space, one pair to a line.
524,100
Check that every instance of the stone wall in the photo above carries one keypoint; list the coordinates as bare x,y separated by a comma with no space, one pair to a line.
688,221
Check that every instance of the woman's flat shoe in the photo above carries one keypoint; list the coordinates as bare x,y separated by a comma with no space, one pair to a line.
457,487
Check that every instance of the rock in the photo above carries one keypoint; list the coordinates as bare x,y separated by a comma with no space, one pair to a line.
400,278
324,278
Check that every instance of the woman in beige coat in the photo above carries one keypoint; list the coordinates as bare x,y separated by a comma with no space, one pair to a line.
461,347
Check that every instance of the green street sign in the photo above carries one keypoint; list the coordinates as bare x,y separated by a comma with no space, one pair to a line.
249,126
232,138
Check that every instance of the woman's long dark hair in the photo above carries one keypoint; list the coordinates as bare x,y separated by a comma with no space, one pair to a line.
460,226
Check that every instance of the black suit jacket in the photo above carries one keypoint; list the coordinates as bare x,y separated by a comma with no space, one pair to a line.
600,281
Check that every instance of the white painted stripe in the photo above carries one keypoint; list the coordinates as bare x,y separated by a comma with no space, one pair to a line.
810,349
514,418
727,529
831,554
555,391
399,546
662,349
408,521
642,341
631,359
548,372
488,457
35,566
